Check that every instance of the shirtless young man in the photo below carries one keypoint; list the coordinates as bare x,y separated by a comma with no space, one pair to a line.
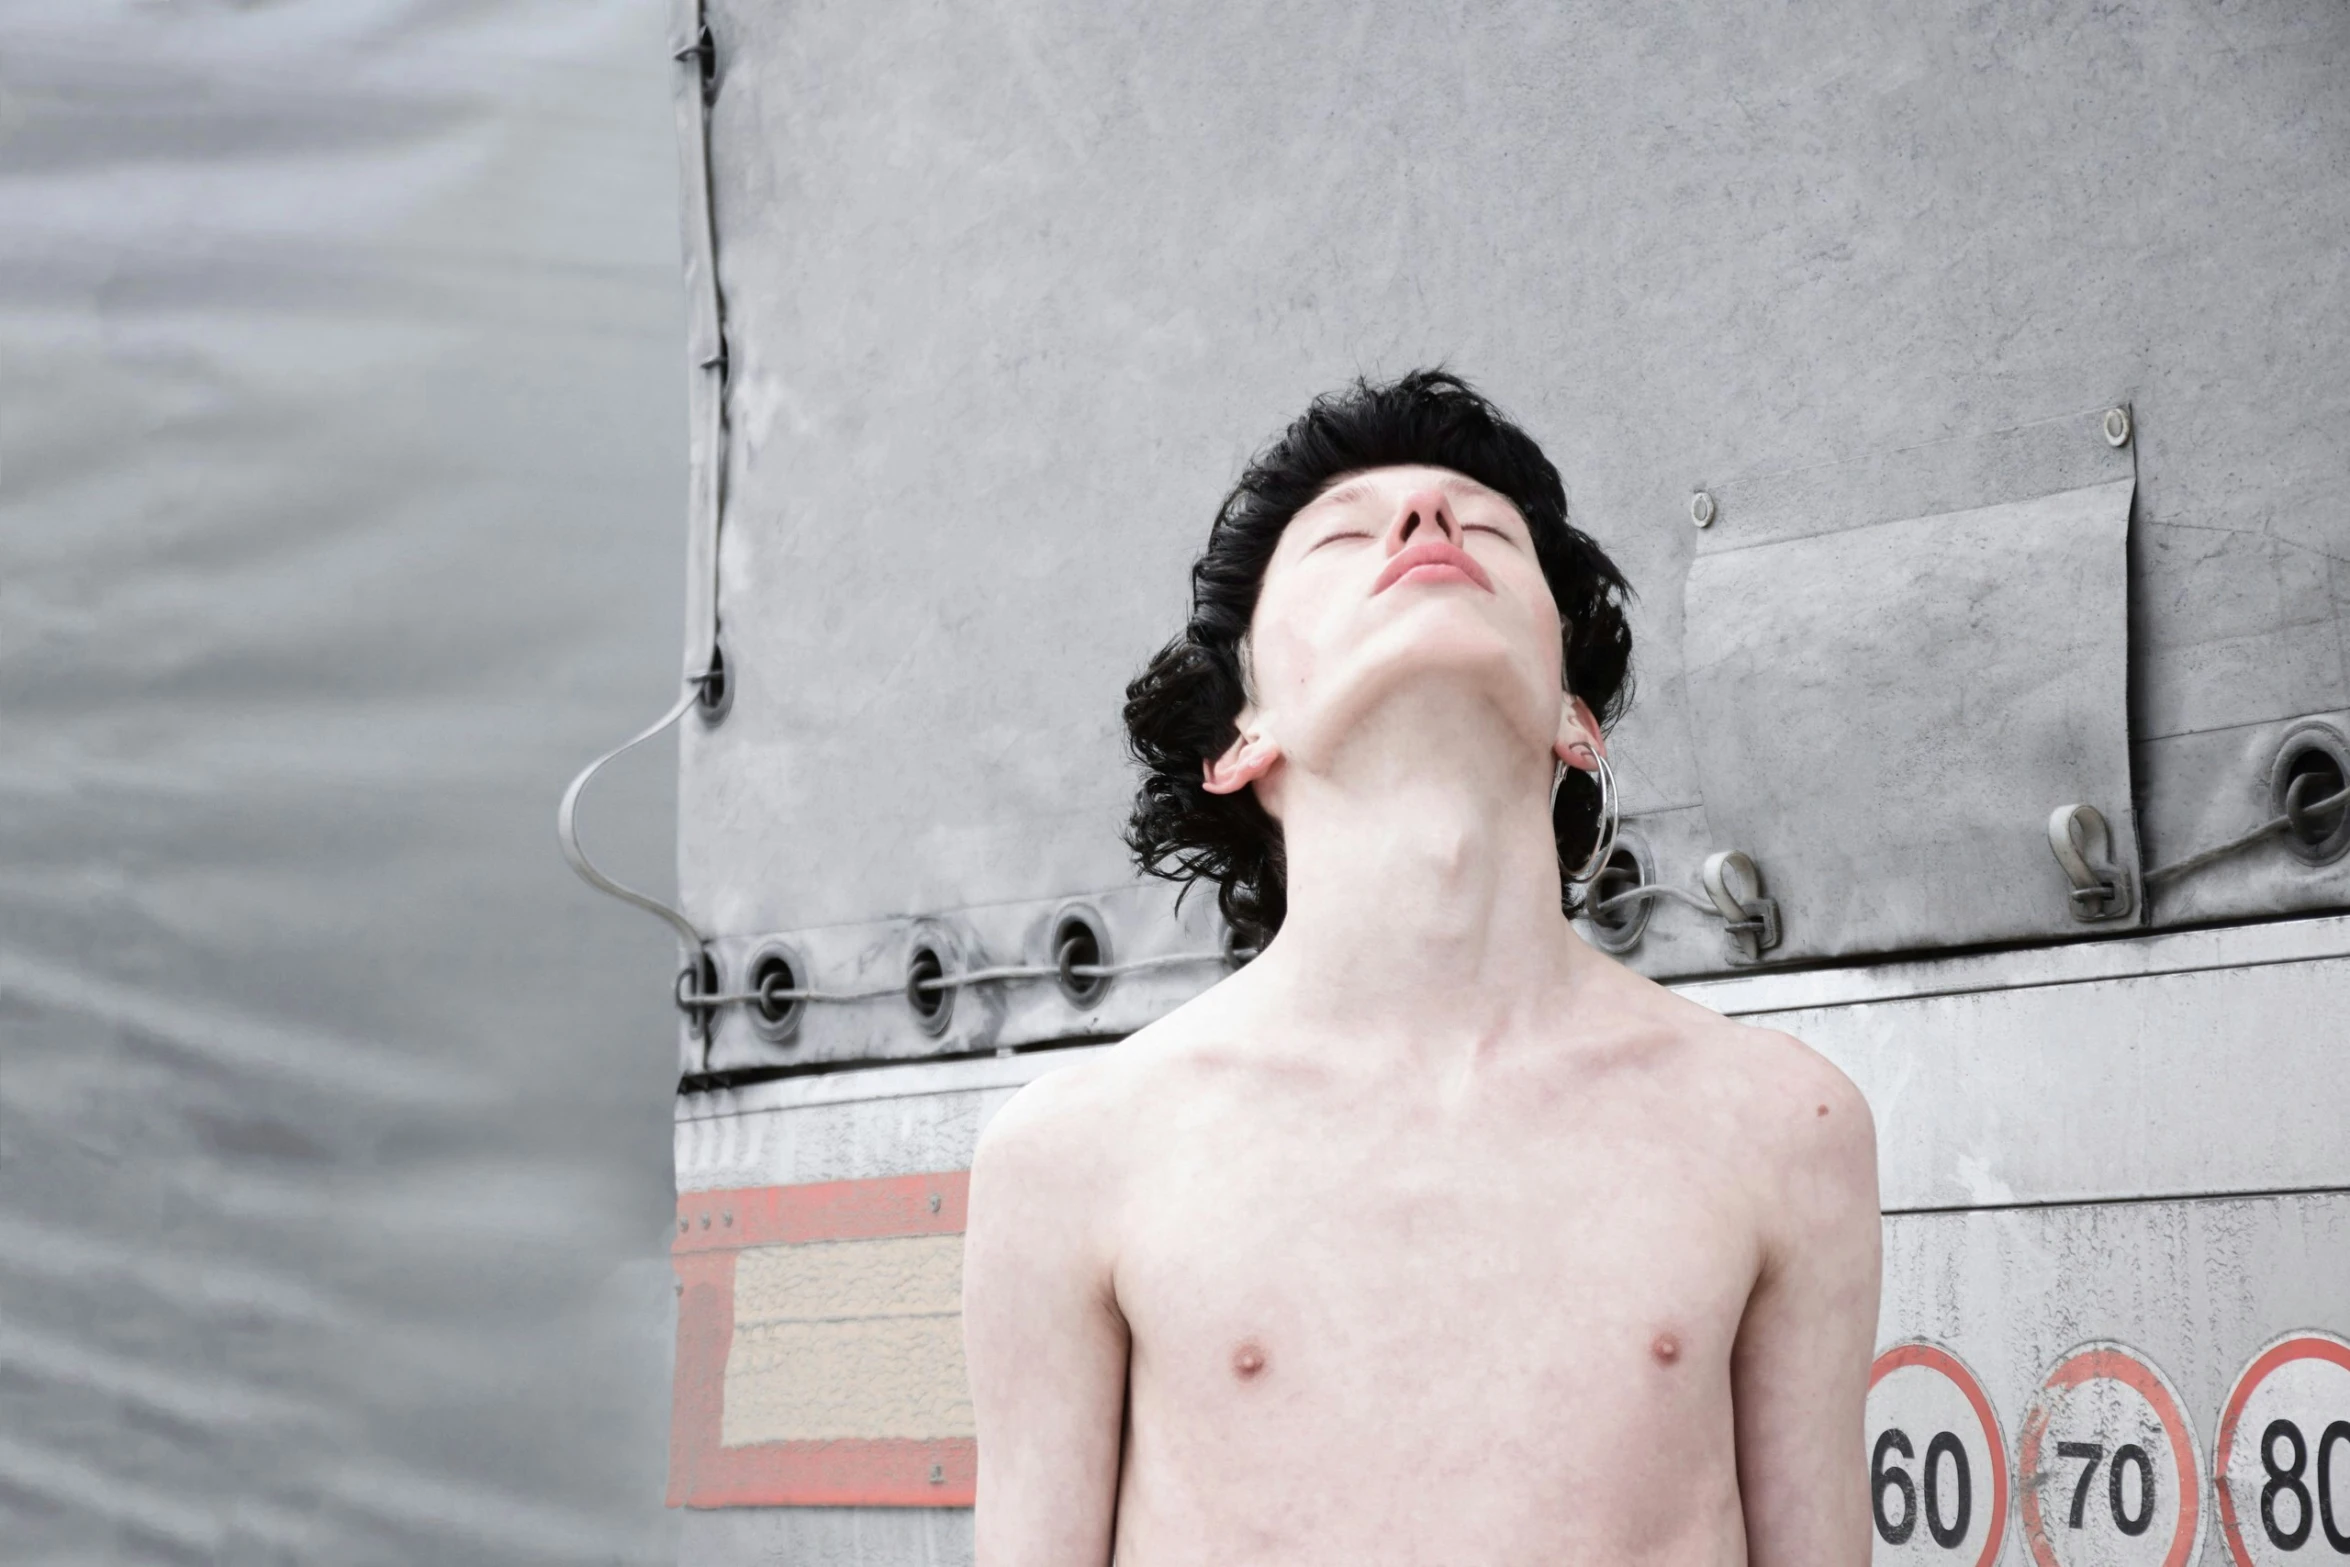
1433,1235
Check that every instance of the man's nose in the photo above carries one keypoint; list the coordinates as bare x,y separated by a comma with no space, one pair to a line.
1422,516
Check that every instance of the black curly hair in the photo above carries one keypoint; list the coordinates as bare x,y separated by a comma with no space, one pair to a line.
1184,708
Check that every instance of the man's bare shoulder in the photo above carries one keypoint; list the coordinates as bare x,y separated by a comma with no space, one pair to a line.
1078,1128
1786,1102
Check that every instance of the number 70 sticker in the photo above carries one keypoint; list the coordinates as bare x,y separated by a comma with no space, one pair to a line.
1937,1461
2107,1466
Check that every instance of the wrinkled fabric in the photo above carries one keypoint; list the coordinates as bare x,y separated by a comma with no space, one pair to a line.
342,479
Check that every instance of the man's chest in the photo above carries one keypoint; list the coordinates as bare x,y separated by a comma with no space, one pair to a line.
1376,1271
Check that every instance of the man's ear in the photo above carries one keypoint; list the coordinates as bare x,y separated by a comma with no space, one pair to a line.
1579,737
1248,758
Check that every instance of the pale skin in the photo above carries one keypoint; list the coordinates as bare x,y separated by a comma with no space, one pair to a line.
1433,1237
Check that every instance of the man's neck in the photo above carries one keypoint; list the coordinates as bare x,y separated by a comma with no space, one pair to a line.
1423,886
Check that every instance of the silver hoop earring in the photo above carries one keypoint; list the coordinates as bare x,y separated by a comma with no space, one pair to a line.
1610,818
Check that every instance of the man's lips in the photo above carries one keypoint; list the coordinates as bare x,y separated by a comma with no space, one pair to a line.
1434,561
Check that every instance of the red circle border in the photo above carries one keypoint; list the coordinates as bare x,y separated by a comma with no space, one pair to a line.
2300,1344
1927,1355
2106,1360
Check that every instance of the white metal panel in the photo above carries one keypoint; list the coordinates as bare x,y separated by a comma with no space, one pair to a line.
2170,952
1986,1252
2197,1288
826,1537
2215,1081
846,1139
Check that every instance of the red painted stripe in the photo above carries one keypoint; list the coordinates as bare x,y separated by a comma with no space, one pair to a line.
928,1204
705,1336
890,1473
712,1228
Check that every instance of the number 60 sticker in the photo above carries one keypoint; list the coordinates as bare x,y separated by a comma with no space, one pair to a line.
1937,1461
2282,1456
2107,1465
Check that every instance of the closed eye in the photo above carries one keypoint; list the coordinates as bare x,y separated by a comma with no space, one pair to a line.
1331,538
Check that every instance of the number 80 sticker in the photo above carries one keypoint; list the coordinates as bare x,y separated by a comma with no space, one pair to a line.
1937,1461
2282,1455
2108,1467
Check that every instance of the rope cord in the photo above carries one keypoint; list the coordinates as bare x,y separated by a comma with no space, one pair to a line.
567,827
1642,893
2299,816
773,996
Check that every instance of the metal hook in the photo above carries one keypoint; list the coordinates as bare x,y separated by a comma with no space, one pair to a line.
1751,919
702,54
2083,846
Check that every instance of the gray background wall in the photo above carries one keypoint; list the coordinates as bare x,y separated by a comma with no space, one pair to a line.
342,446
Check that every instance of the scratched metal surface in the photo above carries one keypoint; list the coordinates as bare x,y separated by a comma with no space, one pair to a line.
2196,1287
2005,1090
826,1537
1009,293
341,460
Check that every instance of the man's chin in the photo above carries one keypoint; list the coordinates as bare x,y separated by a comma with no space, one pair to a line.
1433,682
1443,648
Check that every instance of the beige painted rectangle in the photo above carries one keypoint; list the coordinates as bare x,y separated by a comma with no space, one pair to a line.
825,1281
848,1340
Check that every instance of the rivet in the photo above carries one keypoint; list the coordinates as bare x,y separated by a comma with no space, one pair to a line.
2117,427
729,1219
684,1225
934,1202
938,1474
1701,509
705,1221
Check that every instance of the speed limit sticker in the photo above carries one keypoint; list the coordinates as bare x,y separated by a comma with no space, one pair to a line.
2282,1455
1937,1460
2107,1465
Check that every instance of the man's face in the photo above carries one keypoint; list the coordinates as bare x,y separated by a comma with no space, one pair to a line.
1394,577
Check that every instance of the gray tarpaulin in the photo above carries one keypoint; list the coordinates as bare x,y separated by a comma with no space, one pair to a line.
1896,670
342,435
1011,290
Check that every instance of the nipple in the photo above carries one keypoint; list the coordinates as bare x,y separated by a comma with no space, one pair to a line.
1248,1361
1666,1349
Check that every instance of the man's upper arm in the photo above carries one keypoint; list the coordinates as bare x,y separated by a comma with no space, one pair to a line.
1042,1334
1800,1367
